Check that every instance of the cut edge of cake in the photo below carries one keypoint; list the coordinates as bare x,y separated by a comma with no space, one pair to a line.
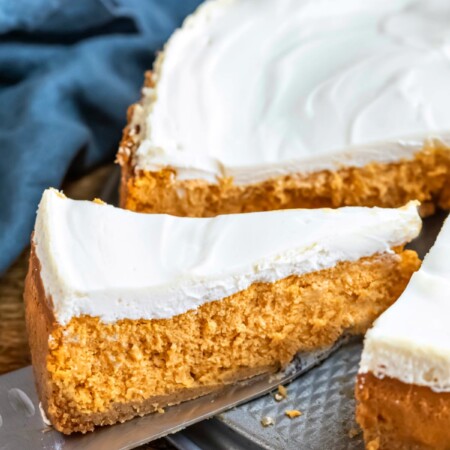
403,385
93,372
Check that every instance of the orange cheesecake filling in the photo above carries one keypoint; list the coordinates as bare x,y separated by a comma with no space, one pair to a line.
399,416
425,178
94,373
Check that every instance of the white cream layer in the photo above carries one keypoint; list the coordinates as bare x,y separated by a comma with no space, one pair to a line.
103,261
411,340
254,89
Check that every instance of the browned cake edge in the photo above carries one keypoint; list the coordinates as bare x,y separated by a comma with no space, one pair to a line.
425,178
399,416
40,323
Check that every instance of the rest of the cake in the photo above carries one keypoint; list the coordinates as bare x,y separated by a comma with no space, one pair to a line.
128,313
403,386
260,105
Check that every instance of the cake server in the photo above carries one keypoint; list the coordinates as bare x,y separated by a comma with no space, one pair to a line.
22,425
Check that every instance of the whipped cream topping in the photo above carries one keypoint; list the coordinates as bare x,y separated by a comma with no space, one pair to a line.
411,340
115,264
253,89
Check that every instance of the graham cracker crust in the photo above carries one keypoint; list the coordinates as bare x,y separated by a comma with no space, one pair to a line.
399,416
89,373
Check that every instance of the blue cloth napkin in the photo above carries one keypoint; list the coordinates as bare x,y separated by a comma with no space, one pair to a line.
68,71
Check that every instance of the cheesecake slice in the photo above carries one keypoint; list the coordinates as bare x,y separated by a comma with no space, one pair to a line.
403,386
256,105
128,313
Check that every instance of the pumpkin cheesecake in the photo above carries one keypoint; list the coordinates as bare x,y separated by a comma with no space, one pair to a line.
403,386
128,313
260,105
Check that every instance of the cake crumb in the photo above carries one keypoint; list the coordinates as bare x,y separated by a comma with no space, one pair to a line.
292,413
353,432
282,391
374,445
278,397
157,408
99,201
267,421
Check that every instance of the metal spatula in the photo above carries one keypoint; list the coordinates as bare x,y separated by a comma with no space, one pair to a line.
22,425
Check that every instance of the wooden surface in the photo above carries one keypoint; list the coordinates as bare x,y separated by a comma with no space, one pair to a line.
13,341
14,352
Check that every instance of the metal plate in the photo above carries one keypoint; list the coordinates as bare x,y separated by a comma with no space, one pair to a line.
325,397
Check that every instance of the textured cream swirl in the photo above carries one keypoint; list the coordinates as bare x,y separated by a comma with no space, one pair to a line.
411,340
258,88
115,264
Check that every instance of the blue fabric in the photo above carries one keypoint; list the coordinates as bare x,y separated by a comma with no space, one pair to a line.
68,71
